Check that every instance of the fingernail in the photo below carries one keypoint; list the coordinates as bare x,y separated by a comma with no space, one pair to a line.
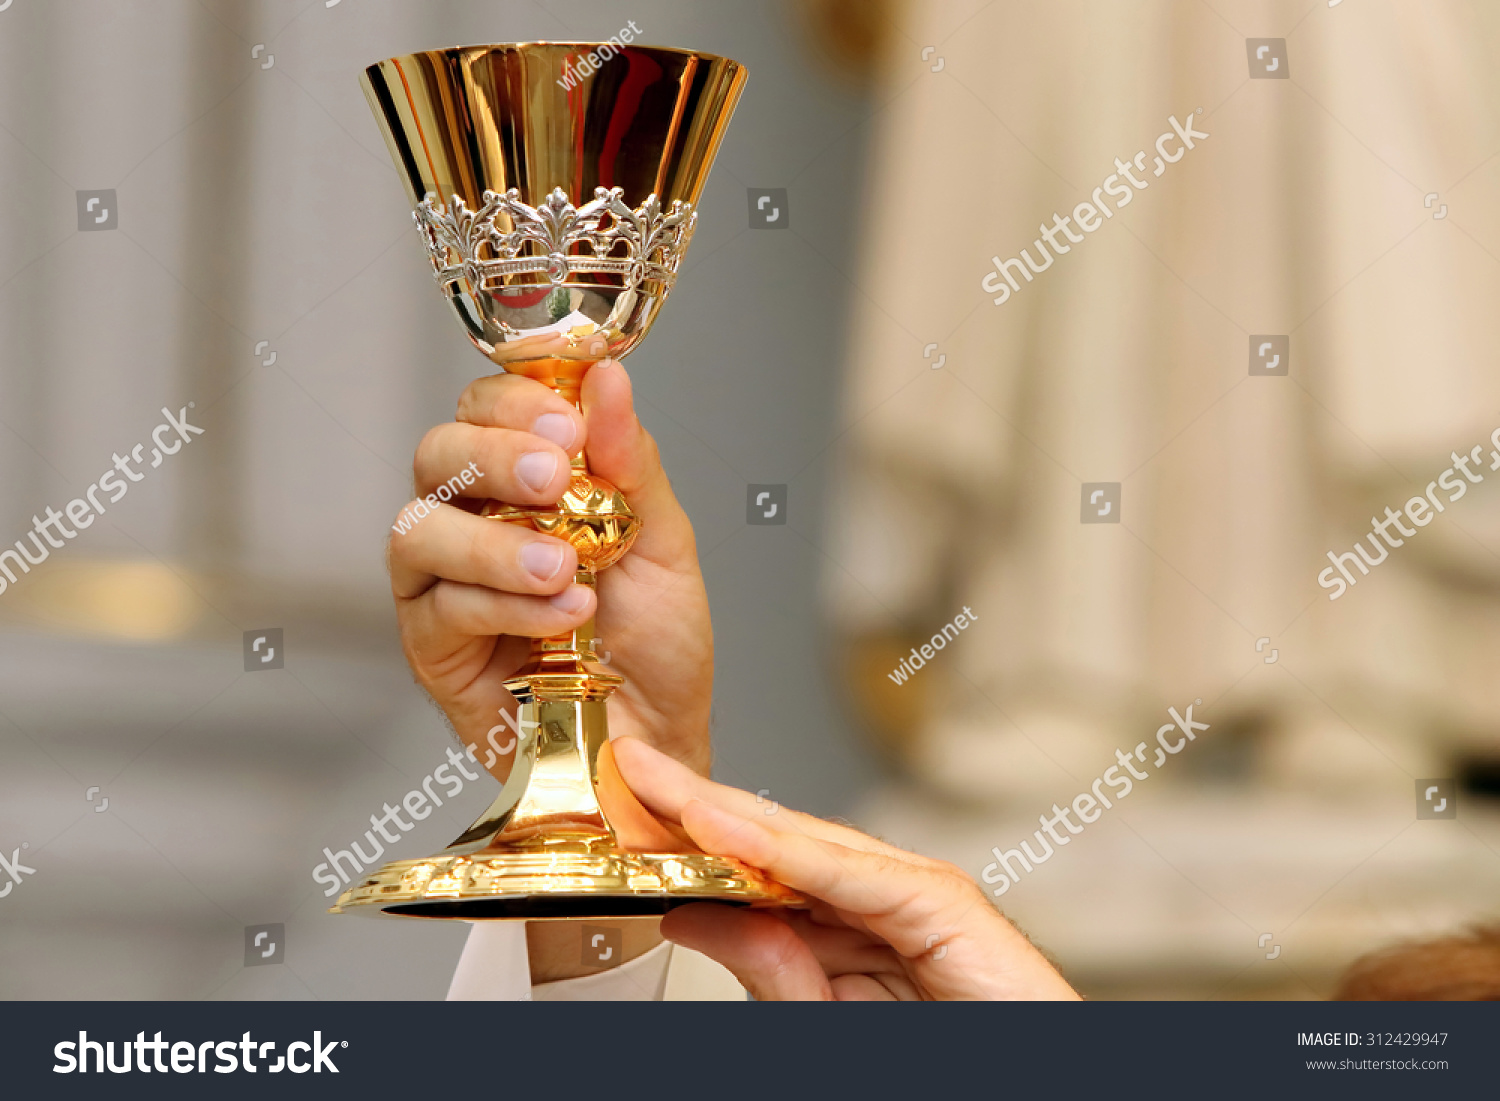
542,560
536,468
571,600
559,428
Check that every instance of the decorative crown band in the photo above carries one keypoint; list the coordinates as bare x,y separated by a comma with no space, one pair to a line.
556,238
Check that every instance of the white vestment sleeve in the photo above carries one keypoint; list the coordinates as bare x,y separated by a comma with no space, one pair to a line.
667,973
494,966
643,979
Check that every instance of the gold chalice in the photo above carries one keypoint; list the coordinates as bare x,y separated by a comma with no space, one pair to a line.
554,185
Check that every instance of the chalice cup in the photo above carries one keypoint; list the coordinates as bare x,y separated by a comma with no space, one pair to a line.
555,186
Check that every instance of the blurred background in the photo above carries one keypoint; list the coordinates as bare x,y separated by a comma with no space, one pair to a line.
256,259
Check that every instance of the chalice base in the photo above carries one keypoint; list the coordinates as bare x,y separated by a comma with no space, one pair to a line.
566,838
538,886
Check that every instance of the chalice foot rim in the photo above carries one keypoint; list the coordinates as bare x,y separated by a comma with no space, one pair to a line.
539,886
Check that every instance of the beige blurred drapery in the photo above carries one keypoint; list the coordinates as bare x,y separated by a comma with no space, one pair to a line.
1302,214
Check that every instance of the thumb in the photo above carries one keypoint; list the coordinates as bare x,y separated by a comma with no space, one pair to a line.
622,452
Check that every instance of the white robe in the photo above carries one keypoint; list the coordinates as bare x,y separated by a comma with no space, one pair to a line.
494,967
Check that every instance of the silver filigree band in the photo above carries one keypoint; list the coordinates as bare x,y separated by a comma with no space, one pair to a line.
637,245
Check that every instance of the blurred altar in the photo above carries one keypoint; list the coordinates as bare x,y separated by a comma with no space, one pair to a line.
1132,368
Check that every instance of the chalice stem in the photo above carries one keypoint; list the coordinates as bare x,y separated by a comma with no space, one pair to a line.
550,801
